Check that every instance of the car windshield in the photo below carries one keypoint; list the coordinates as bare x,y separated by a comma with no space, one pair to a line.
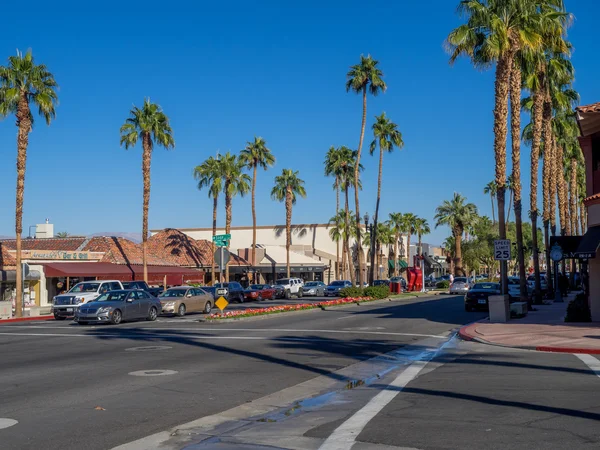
487,286
337,283
283,282
258,286
173,293
312,284
460,280
513,281
114,296
85,287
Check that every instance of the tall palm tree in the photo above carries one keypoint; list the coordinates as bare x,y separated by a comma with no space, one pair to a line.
209,175
235,182
288,186
337,233
492,189
458,215
332,168
151,125
256,155
383,236
24,84
387,136
421,229
410,224
363,77
396,224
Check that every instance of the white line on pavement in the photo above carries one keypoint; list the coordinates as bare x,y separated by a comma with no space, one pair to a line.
590,361
344,437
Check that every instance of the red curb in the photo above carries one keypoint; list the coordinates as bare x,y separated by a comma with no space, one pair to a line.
27,319
589,351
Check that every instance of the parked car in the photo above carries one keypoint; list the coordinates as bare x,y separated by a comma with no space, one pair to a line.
232,291
154,291
514,289
459,286
259,292
543,282
210,290
66,305
478,297
381,282
116,306
314,288
279,291
183,299
335,287
292,286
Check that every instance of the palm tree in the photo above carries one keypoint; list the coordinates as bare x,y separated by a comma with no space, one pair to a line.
387,135
255,155
458,215
332,168
209,175
396,224
360,78
492,189
24,84
421,229
410,223
383,236
287,187
151,125
235,182
337,233
62,234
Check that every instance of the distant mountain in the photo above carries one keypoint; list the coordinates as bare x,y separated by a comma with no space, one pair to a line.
2,237
135,237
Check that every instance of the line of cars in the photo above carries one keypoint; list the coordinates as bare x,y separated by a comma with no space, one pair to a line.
477,294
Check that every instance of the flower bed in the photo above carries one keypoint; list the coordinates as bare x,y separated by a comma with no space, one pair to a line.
286,308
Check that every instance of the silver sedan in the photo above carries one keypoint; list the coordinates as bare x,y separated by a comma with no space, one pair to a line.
117,306
314,288
459,286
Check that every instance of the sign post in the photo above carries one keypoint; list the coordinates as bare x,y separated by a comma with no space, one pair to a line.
221,240
502,254
24,274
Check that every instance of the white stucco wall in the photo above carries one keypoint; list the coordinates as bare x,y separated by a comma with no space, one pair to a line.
593,215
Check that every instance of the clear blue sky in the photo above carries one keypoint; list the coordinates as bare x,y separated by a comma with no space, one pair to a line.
228,71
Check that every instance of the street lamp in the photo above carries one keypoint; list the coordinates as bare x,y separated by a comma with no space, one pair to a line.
372,230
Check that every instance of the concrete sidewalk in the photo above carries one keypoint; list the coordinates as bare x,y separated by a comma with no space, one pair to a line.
542,330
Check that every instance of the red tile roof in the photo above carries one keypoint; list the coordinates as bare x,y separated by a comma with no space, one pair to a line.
57,244
594,107
591,199
6,259
118,250
180,249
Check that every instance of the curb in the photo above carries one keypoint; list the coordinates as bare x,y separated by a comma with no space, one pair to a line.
466,336
27,319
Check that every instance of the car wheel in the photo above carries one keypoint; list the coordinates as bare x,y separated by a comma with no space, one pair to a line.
152,314
181,310
241,299
207,308
57,317
259,299
300,293
287,295
116,317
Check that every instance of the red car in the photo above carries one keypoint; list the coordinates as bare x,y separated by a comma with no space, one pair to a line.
259,292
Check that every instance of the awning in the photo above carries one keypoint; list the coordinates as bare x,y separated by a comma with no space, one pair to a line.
568,245
589,243
175,275
403,264
11,275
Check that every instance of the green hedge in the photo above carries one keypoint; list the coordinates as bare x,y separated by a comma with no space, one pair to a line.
444,284
578,310
371,291
352,292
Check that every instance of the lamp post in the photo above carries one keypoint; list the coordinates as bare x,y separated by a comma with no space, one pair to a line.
372,231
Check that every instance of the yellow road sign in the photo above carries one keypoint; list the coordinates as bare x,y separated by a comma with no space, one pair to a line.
221,303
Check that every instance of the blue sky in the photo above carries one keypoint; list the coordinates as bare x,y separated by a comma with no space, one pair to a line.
227,71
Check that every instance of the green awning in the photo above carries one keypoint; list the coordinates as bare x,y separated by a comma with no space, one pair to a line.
402,265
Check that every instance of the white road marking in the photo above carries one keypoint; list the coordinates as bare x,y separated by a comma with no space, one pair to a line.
5,423
153,373
150,348
344,436
590,361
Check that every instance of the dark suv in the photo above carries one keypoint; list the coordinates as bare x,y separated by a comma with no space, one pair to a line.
232,291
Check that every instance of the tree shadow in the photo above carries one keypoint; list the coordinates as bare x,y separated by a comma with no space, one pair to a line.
179,244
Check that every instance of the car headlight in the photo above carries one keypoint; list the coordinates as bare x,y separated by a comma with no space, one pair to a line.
78,300
169,304
311,291
104,310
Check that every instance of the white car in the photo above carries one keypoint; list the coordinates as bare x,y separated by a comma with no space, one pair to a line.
65,305
292,286
460,285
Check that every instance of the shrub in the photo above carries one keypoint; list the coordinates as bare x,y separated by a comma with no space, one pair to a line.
578,310
444,284
377,291
352,292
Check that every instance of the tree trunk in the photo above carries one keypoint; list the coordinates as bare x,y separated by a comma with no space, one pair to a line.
563,210
502,84
574,198
227,223
375,219
515,115
510,201
254,218
583,217
214,233
552,184
538,103
146,160
458,270
360,252
288,228
337,244
408,261
546,186
493,211
24,124
396,255
350,260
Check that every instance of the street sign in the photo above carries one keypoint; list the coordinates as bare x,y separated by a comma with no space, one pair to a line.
221,240
221,303
502,250
25,272
222,257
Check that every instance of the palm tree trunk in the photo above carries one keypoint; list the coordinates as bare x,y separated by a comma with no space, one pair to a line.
227,223
344,260
337,243
254,218
538,103
146,160
458,270
563,211
493,211
582,217
546,186
574,198
288,228
408,262
510,201
214,233
502,84
349,258
396,255
24,124
374,237
552,184
360,252
515,115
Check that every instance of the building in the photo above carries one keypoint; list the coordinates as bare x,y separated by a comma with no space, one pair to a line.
311,241
588,118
